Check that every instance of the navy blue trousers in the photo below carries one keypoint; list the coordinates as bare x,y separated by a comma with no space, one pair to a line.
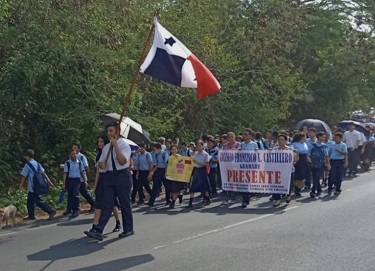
73,186
335,174
85,194
35,199
158,180
117,184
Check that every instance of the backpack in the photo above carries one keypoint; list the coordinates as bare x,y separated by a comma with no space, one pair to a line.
40,183
68,166
317,156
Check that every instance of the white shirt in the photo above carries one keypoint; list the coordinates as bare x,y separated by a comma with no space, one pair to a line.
125,150
362,139
351,138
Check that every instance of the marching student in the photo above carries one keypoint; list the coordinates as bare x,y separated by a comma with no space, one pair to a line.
73,173
352,139
145,166
282,145
247,145
310,141
259,140
212,151
161,141
231,144
83,187
338,155
134,163
200,181
318,155
158,175
176,186
185,151
118,183
299,143
367,151
328,142
168,145
268,140
33,199
100,179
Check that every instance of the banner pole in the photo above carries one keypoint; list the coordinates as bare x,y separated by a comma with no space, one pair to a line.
135,76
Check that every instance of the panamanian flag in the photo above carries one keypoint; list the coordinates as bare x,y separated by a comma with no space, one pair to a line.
170,61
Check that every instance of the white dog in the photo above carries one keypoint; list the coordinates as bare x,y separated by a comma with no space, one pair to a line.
7,213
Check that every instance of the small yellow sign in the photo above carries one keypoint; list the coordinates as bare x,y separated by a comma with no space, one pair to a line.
180,168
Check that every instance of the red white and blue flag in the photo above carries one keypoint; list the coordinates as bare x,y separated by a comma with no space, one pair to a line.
170,61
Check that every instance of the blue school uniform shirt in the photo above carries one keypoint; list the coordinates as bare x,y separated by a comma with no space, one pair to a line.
260,144
309,143
144,161
81,157
213,153
161,159
252,145
29,173
186,152
75,169
202,157
135,157
335,155
301,147
321,145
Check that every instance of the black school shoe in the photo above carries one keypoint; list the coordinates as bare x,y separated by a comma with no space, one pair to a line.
74,214
117,227
52,215
94,234
126,234
67,212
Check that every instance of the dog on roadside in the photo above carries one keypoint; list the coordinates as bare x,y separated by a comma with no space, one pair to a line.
7,213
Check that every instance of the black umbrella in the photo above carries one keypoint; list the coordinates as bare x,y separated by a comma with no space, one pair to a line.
359,126
319,125
129,128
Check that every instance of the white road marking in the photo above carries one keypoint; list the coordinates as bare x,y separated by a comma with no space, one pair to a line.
224,228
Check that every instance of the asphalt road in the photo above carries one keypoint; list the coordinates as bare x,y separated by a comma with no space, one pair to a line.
329,233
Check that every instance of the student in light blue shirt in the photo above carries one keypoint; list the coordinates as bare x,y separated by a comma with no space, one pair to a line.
158,175
144,164
73,172
338,154
259,140
33,198
247,145
84,184
318,156
212,151
185,151
301,167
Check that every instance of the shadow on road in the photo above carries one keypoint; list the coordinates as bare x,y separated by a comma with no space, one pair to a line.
258,209
76,222
69,249
120,264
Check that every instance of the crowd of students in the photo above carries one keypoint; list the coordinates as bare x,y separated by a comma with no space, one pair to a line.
320,159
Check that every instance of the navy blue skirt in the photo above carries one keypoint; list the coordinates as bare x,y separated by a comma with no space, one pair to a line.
301,168
200,181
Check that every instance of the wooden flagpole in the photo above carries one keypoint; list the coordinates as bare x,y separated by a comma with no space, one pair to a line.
141,59
135,76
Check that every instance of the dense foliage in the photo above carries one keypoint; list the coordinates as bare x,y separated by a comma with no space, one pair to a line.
63,63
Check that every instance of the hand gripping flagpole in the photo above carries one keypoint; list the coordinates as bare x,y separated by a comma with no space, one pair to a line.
134,81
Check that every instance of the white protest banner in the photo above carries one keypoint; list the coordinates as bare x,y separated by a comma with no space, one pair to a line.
267,171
